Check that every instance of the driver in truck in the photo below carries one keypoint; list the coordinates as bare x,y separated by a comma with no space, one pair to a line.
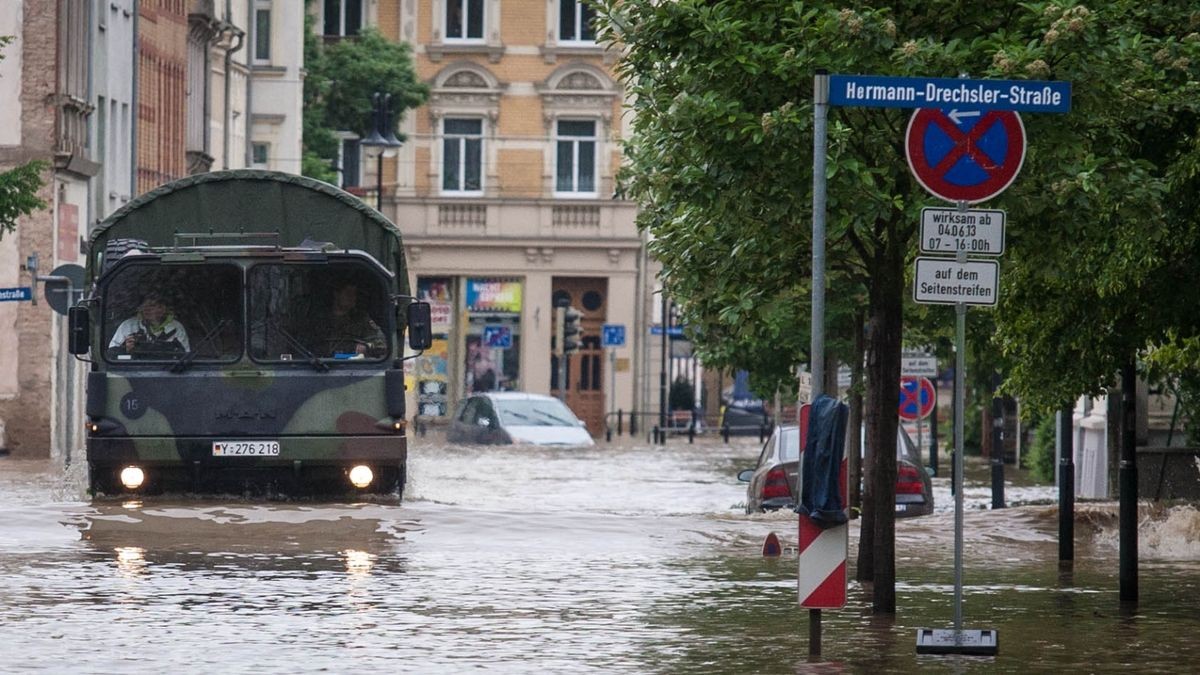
152,333
350,331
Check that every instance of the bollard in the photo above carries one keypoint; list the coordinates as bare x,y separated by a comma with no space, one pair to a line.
692,429
762,433
655,432
633,423
620,422
725,433
608,433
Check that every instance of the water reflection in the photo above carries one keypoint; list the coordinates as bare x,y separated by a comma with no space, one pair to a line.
131,561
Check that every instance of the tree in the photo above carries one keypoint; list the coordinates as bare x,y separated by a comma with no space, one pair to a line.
19,186
720,160
337,91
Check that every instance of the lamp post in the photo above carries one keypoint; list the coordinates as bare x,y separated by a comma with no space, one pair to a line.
381,142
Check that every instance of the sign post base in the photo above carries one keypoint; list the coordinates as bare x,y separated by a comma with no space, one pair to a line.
972,642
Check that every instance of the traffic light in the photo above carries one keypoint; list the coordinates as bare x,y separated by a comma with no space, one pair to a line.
571,330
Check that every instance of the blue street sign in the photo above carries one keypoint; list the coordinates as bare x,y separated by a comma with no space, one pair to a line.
675,331
878,91
614,335
19,294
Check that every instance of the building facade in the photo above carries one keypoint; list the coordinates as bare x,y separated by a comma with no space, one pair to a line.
505,194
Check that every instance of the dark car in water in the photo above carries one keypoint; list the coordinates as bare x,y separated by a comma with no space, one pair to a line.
774,481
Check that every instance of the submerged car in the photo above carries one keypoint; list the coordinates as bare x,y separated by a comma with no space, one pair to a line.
505,417
774,482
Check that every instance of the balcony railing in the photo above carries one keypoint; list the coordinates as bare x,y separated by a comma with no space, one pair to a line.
462,215
576,215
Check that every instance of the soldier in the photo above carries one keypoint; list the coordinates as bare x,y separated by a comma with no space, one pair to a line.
350,330
152,333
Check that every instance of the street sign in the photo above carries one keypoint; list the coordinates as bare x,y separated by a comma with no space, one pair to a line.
497,337
917,397
942,281
878,91
976,231
673,331
965,155
613,335
918,366
18,294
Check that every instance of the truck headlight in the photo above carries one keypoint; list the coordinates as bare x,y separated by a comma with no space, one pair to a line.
361,476
132,477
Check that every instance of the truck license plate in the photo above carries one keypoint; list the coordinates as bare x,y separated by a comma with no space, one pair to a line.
245,448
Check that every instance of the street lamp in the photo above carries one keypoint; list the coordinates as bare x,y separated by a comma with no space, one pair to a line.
381,142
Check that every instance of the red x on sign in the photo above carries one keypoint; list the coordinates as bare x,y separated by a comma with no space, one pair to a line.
965,155
916,398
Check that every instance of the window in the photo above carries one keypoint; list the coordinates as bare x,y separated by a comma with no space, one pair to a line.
343,17
575,21
462,155
262,31
156,313
259,152
464,19
575,172
311,312
349,163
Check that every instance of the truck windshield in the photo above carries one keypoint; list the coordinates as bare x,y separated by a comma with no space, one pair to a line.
305,312
165,313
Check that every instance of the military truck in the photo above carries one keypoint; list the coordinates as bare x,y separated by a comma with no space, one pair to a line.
245,331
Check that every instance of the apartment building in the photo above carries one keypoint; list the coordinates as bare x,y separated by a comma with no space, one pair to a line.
505,194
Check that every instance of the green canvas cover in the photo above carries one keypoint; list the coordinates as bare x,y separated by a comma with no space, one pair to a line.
245,200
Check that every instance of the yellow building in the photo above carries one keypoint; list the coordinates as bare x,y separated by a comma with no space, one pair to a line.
504,191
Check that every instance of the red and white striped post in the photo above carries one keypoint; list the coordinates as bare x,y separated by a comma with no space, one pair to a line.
822,578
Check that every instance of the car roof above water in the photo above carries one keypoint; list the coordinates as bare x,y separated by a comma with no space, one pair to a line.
516,396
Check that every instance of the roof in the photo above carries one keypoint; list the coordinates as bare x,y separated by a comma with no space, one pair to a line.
514,396
255,201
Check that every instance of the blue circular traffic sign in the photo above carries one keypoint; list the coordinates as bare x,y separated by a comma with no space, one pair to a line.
965,155
917,397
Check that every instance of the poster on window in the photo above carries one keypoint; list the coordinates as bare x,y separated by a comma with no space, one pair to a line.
433,378
494,295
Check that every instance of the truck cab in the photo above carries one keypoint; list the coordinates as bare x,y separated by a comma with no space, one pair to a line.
246,334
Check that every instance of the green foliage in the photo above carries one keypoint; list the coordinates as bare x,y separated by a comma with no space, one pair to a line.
18,194
341,80
1103,228
1040,459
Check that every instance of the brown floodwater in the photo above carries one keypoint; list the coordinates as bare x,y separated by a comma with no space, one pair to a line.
629,558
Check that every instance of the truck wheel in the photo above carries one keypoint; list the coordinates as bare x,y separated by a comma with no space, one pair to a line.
115,248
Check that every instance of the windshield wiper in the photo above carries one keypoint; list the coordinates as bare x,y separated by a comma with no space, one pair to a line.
513,413
565,423
186,360
292,341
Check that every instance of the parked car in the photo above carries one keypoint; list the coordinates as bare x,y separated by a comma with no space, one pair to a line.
774,481
505,417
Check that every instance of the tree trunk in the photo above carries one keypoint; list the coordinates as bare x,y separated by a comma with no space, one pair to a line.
884,341
854,423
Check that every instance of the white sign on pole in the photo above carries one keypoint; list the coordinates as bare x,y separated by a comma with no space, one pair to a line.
976,231
921,366
941,281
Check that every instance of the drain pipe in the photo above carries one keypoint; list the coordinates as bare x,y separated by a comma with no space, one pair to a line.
247,150
240,34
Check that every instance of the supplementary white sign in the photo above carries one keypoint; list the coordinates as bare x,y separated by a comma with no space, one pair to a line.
976,231
940,281
921,366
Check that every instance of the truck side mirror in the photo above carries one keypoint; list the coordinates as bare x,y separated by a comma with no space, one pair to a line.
79,329
420,327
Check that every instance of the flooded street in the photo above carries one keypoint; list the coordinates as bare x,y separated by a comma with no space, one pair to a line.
610,559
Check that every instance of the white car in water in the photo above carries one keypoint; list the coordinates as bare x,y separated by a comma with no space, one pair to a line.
504,417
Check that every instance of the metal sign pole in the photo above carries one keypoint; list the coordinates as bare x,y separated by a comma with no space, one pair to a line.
960,339
816,352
